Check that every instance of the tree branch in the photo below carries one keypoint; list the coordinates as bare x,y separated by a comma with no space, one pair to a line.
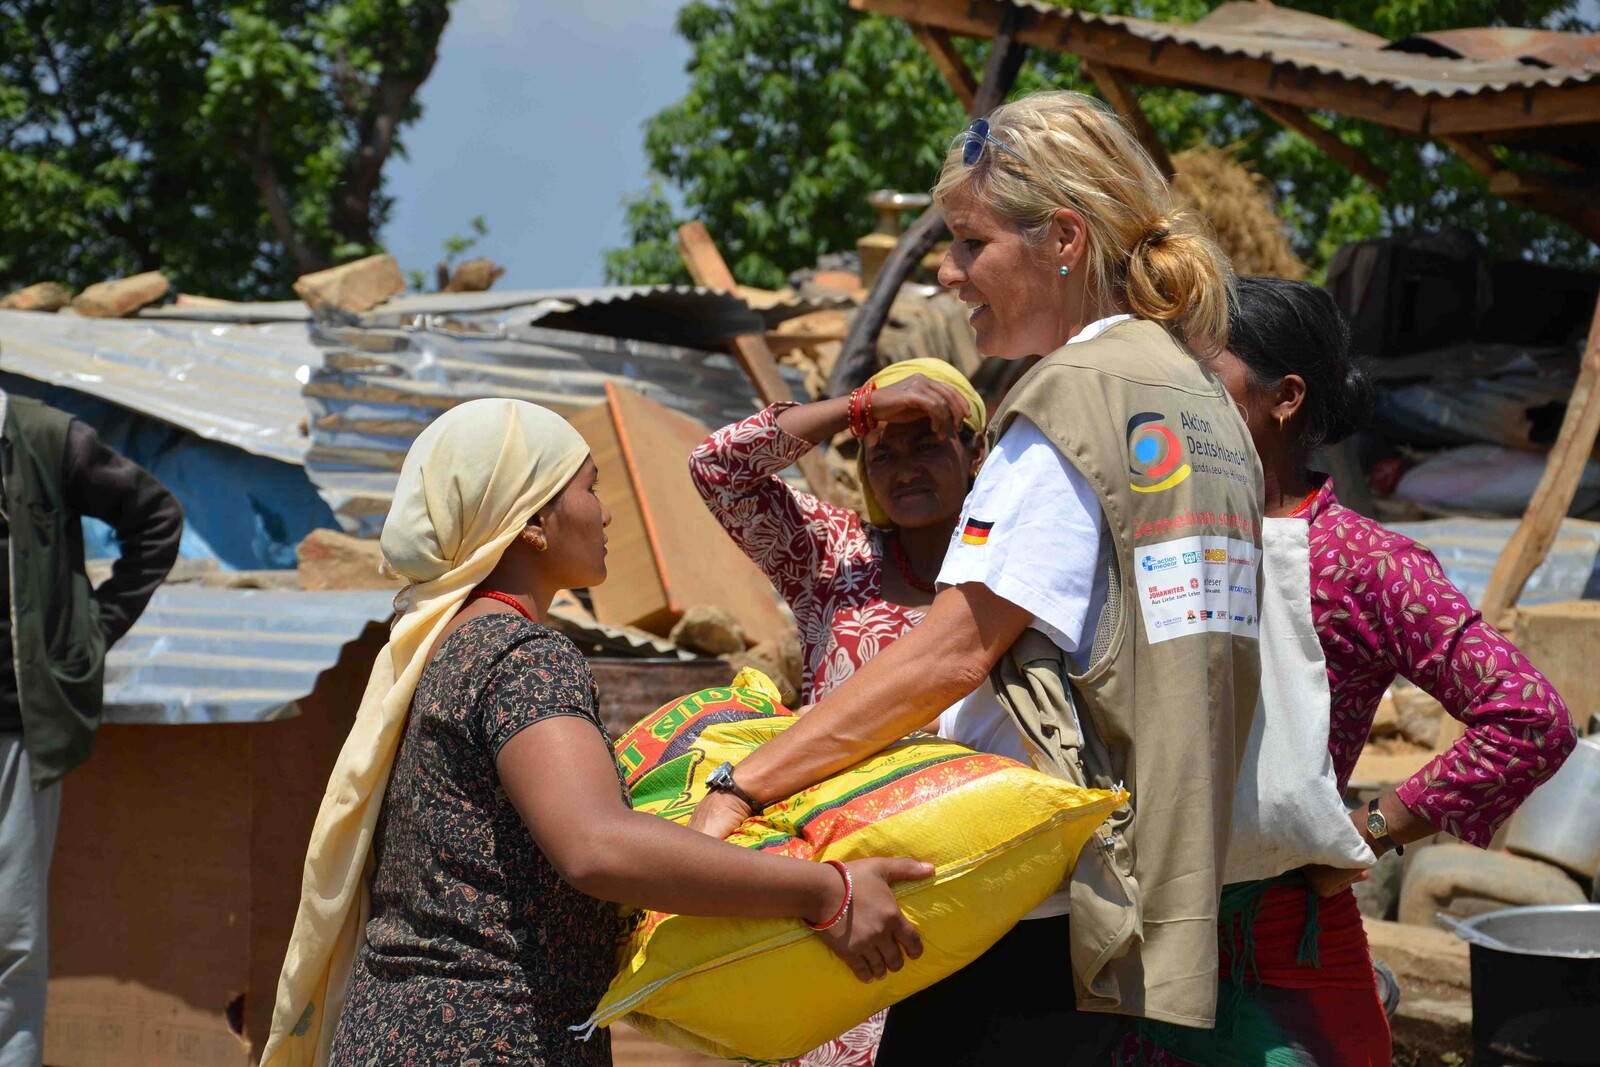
265,178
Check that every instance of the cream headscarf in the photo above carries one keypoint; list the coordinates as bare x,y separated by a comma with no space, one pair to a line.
939,371
470,483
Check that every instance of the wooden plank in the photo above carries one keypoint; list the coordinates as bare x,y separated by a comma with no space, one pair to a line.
1352,158
1115,86
942,50
634,593
858,354
693,556
1510,110
1540,523
707,268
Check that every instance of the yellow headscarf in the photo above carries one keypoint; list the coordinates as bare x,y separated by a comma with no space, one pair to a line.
939,371
470,483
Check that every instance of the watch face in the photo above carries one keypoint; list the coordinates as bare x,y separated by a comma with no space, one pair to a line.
1376,824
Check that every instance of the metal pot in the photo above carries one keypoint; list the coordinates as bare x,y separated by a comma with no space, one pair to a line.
1536,993
1557,823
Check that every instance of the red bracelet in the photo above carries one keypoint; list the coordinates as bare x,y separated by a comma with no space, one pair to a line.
844,905
862,421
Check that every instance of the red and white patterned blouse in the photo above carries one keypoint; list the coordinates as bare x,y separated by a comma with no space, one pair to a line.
1382,606
821,557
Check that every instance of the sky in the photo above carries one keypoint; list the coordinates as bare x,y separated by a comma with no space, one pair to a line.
534,118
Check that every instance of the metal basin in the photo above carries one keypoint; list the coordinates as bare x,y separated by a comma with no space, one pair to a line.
1559,823
1536,998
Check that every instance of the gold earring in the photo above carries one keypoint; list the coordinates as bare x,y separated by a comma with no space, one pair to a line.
535,538
1280,422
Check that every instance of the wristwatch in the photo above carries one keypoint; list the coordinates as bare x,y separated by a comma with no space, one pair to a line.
1378,827
721,781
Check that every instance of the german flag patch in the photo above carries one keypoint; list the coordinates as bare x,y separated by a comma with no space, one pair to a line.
976,532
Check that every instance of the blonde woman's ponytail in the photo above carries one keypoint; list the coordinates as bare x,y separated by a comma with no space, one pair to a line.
1177,274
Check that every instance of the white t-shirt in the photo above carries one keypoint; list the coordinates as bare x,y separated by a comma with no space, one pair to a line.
1031,531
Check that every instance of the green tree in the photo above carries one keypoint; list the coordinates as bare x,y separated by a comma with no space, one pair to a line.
798,109
234,146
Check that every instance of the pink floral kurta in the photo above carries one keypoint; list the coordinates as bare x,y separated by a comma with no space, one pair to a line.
823,560
827,564
1383,607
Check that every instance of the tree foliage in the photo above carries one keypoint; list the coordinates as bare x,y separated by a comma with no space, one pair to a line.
798,109
233,146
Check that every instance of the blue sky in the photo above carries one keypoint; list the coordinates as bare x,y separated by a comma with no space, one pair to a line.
533,118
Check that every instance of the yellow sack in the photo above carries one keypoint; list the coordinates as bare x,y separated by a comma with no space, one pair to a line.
1002,837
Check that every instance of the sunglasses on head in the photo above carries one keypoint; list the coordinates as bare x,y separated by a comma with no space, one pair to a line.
978,136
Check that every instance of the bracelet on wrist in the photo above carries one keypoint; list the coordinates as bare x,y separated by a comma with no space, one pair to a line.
862,420
844,905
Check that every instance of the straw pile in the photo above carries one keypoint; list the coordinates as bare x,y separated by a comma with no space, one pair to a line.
1239,205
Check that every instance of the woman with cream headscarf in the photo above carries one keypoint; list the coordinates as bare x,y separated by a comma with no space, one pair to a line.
854,587
452,905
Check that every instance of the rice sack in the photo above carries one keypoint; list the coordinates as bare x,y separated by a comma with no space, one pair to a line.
1001,836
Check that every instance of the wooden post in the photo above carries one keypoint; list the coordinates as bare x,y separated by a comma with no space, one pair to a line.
942,50
708,269
858,354
1353,159
1118,91
1542,521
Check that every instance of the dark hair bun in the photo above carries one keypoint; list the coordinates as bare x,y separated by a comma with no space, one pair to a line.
1278,327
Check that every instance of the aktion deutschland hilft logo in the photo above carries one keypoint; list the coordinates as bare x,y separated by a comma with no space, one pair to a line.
1154,452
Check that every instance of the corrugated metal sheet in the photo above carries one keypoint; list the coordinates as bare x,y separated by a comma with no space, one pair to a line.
201,655
1299,41
231,383
378,387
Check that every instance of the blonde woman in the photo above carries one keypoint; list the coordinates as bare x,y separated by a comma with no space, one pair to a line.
479,780
1097,614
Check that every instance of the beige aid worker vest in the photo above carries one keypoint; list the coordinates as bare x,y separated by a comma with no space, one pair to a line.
1168,690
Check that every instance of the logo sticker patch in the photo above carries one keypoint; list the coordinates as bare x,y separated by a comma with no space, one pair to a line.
1155,455
976,532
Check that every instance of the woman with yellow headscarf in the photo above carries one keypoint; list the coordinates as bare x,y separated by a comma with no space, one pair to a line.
453,905
854,587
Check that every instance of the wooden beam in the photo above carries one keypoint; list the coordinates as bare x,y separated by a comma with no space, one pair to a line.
1564,195
858,355
1352,158
1541,522
707,268
1115,86
942,50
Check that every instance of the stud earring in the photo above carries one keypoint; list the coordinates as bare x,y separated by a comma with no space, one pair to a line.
535,538
1065,271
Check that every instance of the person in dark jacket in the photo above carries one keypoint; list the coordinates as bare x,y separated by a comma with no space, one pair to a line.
53,641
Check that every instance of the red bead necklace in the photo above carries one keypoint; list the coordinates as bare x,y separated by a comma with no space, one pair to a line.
504,598
897,550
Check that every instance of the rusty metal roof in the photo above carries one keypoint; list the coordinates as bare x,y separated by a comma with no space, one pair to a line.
1296,57
1300,40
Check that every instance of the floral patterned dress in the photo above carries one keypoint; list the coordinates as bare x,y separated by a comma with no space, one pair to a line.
1382,607
828,565
477,952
